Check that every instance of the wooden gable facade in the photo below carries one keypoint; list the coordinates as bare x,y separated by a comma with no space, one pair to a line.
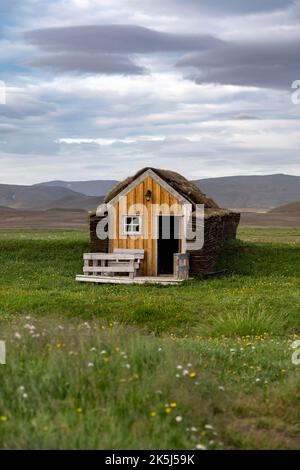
132,201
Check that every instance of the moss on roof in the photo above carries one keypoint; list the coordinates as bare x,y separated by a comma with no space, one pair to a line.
188,190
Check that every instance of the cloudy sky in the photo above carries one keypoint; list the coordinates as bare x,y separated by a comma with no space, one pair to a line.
97,89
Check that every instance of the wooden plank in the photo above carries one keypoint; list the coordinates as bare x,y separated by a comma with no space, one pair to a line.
126,280
136,252
109,256
119,263
149,186
122,268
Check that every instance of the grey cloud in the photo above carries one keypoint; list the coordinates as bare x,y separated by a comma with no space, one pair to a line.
245,117
117,39
236,7
89,63
266,65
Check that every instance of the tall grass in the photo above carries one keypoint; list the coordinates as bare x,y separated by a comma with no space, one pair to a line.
70,384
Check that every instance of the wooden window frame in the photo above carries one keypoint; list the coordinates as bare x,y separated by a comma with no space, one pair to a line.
124,224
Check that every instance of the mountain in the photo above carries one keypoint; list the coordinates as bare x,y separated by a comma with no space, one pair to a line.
43,197
89,188
265,191
232,191
291,208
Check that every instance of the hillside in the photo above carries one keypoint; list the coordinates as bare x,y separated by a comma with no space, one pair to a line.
89,188
267,191
252,191
231,191
42,198
291,208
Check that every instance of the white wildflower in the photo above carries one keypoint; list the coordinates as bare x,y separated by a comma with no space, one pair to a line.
200,447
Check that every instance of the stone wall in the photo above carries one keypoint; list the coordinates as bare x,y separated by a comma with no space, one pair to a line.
217,229
97,245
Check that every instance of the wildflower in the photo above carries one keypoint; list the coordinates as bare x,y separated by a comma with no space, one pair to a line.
193,429
177,376
3,419
168,410
257,380
221,388
192,375
173,405
159,349
200,447
103,352
90,364
153,414
117,349
127,366
93,349
208,426
79,410
189,365
178,419
17,335
185,372
179,367
25,395
29,327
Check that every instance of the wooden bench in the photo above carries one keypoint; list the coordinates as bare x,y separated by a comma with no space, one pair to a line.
108,264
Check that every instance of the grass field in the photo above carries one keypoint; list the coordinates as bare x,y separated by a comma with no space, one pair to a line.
207,364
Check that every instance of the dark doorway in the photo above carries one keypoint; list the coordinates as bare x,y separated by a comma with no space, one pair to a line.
168,242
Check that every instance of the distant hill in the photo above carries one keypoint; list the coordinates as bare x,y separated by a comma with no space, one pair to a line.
265,191
7,209
89,188
291,208
42,198
232,191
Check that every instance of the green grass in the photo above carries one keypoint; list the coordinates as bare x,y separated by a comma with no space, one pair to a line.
234,333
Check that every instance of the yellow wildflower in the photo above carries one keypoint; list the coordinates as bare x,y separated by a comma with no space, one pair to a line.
192,375
168,410
173,405
153,414
3,419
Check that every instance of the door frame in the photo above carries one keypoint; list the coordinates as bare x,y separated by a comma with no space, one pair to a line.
180,240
